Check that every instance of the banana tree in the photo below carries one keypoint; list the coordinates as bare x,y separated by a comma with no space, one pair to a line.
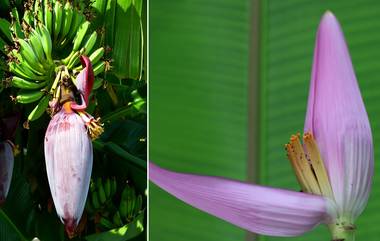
78,154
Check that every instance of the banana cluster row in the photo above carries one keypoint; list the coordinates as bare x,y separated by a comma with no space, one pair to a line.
102,196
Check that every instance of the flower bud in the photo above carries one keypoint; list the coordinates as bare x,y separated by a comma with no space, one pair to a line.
69,157
6,169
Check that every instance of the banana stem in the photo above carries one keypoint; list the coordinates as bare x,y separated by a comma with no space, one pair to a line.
342,232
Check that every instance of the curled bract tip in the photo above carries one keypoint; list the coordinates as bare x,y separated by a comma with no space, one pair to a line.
84,83
70,227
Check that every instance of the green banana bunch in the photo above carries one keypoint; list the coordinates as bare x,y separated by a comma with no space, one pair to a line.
51,35
130,204
101,193
100,201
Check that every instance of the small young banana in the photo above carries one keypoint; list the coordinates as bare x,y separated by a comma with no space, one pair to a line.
117,219
38,111
26,84
80,35
36,44
95,200
29,55
78,19
102,194
99,68
68,17
26,97
96,55
46,41
58,16
48,17
4,30
90,43
107,188
24,72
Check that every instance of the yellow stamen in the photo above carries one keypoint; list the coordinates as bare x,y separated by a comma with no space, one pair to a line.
94,126
318,165
301,166
308,165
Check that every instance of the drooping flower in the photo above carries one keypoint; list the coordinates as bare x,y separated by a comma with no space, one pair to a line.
334,165
68,150
8,126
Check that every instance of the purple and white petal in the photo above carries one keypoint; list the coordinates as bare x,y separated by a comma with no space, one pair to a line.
69,157
259,209
337,117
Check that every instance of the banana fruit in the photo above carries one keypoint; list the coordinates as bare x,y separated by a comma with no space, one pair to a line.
48,36
101,202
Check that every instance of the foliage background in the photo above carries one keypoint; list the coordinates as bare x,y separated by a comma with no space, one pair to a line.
228,86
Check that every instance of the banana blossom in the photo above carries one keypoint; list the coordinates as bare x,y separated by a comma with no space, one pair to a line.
334,165
68,150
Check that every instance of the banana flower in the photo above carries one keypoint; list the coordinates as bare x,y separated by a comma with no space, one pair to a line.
334,164
6,168
68,150
8,126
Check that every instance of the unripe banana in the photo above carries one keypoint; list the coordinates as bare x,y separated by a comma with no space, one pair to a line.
16,25
2,47
58,13
89,44
48,17
117,219
28,17
107,188
28,54
123,209
26,97
38,12
78,19
4,30
113,186
24,65
46,41
106,223
39,109
131,203
35,42
95,200
102,195
25,84
92,186
89,206
73,60
125,193
99,68
68,17
138,206
96,55
97,83
80,35
24,72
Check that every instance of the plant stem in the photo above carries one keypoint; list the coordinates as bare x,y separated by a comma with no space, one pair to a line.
4,216
342,232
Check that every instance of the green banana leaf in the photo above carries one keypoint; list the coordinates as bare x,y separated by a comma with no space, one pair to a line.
198,108
127,232
127,43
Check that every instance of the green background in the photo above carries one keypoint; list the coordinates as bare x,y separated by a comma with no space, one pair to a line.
222,105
